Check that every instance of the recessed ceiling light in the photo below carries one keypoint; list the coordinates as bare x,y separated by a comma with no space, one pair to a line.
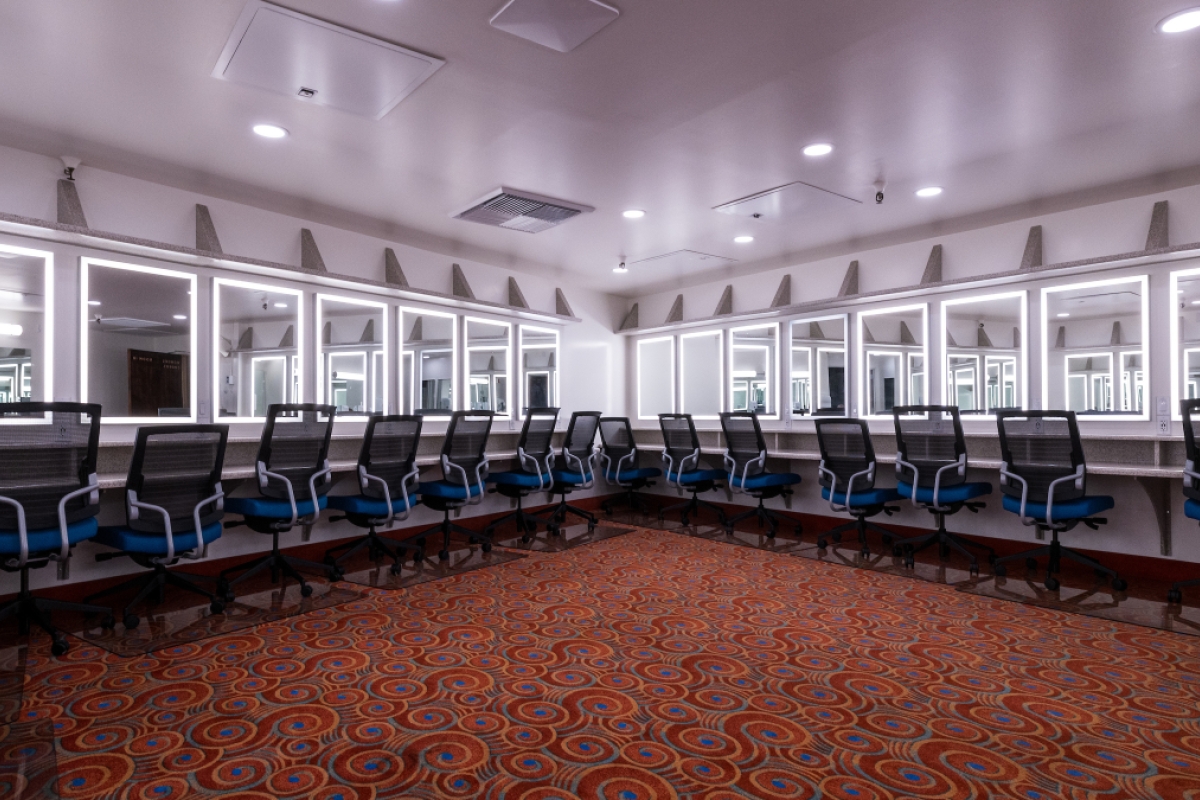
1196,302
743,239
1180,21
621,269
929,191
181,316
270,131
634,213
93,302
281,305
1064,314
819,149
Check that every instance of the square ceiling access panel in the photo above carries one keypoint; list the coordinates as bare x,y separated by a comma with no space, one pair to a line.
561,25
290,53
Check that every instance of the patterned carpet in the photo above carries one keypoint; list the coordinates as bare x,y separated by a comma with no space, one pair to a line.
651,665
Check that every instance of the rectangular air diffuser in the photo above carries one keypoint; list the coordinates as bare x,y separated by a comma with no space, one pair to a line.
521,211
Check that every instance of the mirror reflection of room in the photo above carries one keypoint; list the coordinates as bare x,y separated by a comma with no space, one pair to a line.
1094,361
893,347
427,363
700,357
819,366
488,346
1188,305
257,353
983,340
754,369
656,377
138,340
352,375
22,327
539,368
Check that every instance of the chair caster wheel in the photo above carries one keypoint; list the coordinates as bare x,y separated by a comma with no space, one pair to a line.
305,590
395,569
999,570
684,521
897,550
60,647
1119,585
526,539
1031,563
821,544
910,563
216,607
973,571
1052,584
591,527
443,555
1174,597
131,621
418,556
770,534
108,623
487,547
336,574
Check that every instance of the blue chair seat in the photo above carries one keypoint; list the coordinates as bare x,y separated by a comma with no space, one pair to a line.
1068,509
360,505
872,497
46,540
519,478
127,540
269,507
696,476
946,495
570,478
448,491
631,475
765,480
1191,509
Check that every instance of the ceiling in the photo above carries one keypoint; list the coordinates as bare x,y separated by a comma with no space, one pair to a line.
677,107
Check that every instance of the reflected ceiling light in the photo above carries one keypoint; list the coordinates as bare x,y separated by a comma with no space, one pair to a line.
1180,21
9,329
281,305
621,269
929,191
181,316
743,239
1196,302
5,294
1064,314
819,149
634,213
270,131
93,302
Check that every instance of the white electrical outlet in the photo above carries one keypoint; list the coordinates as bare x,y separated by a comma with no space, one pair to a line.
1164,426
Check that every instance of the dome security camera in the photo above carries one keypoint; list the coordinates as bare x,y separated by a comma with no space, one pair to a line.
880,185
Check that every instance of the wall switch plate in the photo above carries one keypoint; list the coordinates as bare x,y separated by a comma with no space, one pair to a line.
787,424
1164,407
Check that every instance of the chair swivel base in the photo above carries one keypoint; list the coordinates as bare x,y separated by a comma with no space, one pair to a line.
861,525
153,586
765,516
36,610
376,547
445,528
691,507
1054,553
527,523
559,515
281,567
631,498
946,542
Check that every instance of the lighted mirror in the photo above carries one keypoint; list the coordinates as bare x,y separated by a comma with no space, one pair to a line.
352,359
656,377
539,368
983,343
258,342
26,325
754,369
138,341
700,382
893,347
427,382
488,347
818,375
1094,348
1185,338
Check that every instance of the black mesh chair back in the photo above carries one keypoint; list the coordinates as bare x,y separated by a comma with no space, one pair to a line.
176,467
389,452
466,443
295,444
1040,447
581,434
846,450
47,451
537,434
616,439
929,438
679,436
744,441
1191,487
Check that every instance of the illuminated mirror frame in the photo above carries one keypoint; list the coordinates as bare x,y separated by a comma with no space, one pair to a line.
373,359
671,372
773,374
720,337
408,394
85,264
1179,352
297,357
866,349
1143,282
510,399
522,389
949,397
47,367
815,350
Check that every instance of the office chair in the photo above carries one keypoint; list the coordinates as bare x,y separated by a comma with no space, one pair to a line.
1044,479
293,476
1191,487
387,476
847,476
746,461
579,466
464,471
49,498
931,454
681,451
173,509
619,454
535,455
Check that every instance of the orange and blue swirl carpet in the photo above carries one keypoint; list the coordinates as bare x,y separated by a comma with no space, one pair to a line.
647,666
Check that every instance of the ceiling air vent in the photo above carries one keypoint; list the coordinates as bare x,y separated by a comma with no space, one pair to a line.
521,211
